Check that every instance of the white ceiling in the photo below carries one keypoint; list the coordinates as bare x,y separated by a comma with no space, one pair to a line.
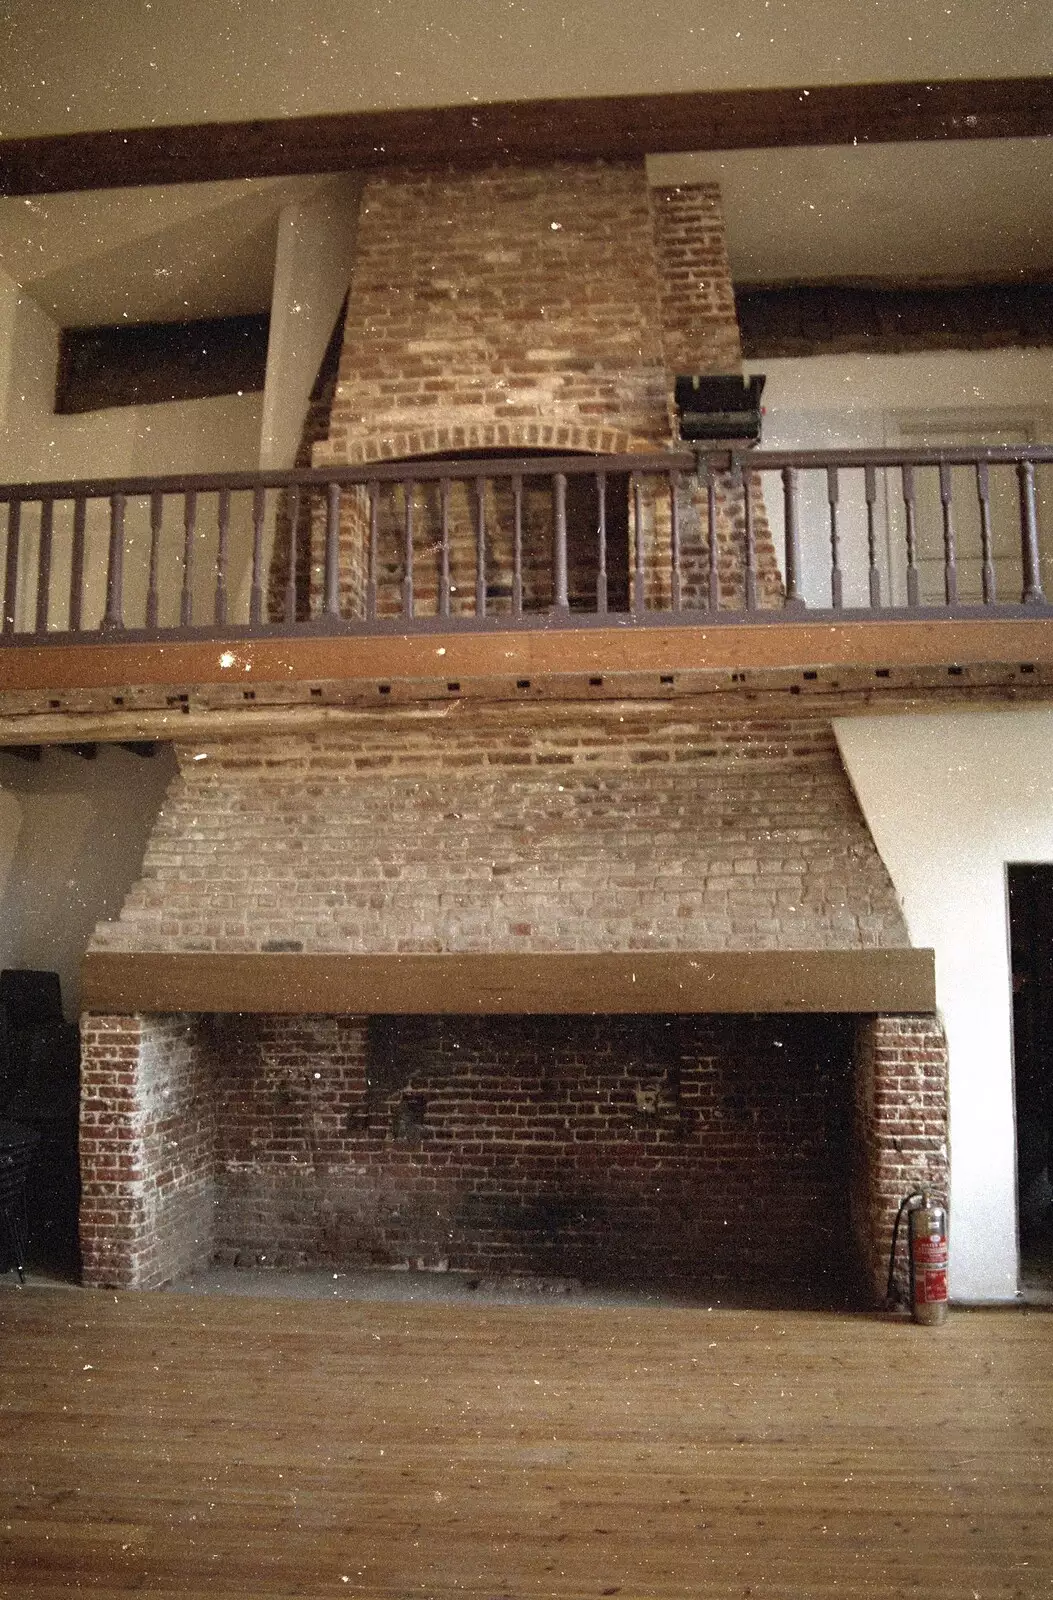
75,64
978,209
147,255
954,211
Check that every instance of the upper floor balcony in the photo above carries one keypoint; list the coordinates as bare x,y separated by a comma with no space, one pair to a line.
137,603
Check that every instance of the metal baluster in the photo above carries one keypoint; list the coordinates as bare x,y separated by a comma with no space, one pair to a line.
480,547
374,541
910,510
222,551
674,538
870,491
983,495
639,586
712,538
517,544
562,600
156,519
601,532
14,521
444,547
186,603
950,554
836,576
290,576
750,550
1033,595
76,566
259,511
47,523
113,617
408,488
794,600
332,550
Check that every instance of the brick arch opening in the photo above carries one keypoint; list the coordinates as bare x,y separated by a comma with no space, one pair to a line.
506,583
583,520
547,437
403,539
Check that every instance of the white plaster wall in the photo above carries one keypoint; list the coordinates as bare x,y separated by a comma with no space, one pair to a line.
214,435
72,833
36,444
72,838
9,297
950,800
312,270
842,402
840,398
184,436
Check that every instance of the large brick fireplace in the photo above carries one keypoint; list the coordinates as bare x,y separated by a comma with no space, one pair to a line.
756,1134
571,1143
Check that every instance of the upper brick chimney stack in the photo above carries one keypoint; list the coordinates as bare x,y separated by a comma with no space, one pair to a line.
527,308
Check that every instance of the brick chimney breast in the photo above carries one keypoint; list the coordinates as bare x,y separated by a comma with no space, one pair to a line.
512,309
528,828
525,308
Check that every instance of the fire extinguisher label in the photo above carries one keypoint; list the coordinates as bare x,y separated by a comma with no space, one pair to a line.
931,1251
931,1286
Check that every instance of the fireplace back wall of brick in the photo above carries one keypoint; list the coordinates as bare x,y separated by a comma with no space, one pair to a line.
621,1151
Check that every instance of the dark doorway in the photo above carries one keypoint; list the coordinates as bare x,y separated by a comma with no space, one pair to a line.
39,1098
1031,947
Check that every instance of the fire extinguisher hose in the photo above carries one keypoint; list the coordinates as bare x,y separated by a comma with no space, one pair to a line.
892,1295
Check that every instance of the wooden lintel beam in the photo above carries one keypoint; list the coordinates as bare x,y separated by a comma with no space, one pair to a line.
613,126
670,982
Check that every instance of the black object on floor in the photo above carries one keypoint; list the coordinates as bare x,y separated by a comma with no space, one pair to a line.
40,1091
17,1144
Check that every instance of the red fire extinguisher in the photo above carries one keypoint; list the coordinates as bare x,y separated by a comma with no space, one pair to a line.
926,1258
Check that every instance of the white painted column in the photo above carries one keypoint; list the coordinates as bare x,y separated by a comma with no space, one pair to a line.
312,269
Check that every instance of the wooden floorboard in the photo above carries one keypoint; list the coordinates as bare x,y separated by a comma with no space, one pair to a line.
184,1446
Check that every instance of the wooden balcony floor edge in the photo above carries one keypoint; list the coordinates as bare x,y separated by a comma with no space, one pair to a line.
671,648
190,690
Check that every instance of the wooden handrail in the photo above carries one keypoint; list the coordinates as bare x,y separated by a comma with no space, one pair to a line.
433,470
487,541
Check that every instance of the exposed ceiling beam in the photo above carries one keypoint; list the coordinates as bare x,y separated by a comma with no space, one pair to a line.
808,319
611,126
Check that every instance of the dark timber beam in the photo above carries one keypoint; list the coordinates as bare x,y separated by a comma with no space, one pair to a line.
531,130
806,319
673,981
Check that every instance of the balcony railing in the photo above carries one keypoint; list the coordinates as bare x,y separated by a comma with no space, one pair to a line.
762,536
